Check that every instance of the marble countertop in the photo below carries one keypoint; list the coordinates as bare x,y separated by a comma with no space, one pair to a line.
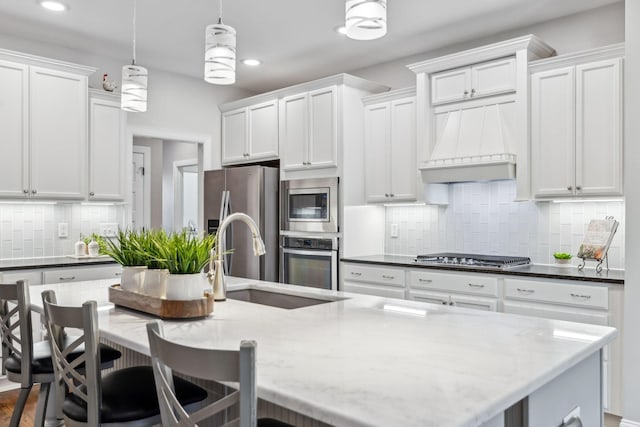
51,262
571,272
354,363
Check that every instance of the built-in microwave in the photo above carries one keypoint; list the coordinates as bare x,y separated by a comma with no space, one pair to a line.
309,205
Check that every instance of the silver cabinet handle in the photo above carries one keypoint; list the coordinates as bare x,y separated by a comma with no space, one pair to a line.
34,191
475,285
452,303
445,303
388,277
525,291
353,273
67,278
92,194
581,296
118,274
466,92
25,191
392,195
473,92
570,188
425,280
578,188
386,194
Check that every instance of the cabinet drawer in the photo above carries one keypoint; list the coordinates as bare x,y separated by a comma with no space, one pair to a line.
385,276
559,293
464,283
373,289
33,276
77,274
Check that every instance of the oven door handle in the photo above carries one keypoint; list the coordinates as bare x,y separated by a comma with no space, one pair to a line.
307,252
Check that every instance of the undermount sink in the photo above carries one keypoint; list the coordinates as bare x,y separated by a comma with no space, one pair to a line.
276,299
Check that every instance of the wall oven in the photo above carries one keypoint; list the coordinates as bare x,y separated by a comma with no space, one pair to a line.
309,205
309,261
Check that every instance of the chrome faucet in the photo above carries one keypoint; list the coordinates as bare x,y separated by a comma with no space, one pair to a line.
216,262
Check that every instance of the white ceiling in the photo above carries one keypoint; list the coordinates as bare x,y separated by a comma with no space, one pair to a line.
295,39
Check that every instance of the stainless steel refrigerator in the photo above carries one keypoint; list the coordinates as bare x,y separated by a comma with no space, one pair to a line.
254,191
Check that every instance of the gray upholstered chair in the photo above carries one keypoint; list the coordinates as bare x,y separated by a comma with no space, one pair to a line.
122,397
207,364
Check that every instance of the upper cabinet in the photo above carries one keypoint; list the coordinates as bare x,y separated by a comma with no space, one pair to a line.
390,147
43,127
250,133
107,124
489,78
308,127
576,124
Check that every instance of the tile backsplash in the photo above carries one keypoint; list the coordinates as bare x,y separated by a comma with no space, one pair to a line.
31,229
483,218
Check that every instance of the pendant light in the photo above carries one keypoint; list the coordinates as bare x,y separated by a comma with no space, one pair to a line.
220,53
366,19
134,80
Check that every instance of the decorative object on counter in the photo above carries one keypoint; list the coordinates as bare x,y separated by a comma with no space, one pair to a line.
94,248
155,278
80,248
108,85
366,19
134,80
161,307
126,252
596,242
220,53
562,258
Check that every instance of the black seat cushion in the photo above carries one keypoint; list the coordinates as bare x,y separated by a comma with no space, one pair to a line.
270,422
130,394
42,363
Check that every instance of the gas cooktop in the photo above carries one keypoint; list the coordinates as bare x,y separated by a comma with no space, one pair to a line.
472,260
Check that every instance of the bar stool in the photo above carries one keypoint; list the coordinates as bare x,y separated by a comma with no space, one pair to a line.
122,397
207,364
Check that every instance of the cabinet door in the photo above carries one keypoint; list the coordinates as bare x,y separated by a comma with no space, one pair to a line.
323,128
492,78
450,86
475,303
553,132
599,128
402,151
294,131
376,142
440,298
263,131
234,136
106,150
58,125
14,130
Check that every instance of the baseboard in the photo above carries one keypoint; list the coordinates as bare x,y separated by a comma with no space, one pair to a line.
629,423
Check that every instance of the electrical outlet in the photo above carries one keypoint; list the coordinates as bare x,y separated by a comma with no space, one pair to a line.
394,231
63,229
108,229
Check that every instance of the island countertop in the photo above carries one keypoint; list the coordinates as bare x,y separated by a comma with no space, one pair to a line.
354,363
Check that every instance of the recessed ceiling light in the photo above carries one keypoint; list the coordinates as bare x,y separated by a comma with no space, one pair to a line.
55,6
251,62
341,30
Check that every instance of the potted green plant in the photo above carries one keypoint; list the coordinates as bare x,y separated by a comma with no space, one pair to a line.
155,278
125,250
562,258
185,256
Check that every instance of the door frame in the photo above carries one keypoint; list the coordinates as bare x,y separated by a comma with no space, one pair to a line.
146,152
178,194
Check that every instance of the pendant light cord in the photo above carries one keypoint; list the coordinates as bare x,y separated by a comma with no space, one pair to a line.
220,14
135,2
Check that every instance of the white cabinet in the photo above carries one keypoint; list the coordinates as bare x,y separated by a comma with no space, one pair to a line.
309,130
390,148
250,133
485,79
78,274
576,129
106,147
379,281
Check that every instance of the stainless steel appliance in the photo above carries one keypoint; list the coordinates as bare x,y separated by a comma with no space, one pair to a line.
309,261
472,260
254,191
309,205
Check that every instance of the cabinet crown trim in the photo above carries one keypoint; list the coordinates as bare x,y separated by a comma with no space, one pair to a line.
585,56
25,58
103,94
389,96
536,49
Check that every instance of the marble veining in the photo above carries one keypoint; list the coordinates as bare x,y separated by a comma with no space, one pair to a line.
353,363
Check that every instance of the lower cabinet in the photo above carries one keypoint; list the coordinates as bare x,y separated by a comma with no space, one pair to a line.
377,281
78,274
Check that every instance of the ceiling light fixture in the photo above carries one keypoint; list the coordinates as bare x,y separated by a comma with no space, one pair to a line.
55,6
134,80
220,53
366,19
251,62
341,30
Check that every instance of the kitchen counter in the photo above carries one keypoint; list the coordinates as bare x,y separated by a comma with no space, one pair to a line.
533,270
51,262
354,363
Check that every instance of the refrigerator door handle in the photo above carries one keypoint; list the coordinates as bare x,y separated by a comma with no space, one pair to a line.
228,239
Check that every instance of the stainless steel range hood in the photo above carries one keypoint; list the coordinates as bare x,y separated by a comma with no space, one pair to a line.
473,144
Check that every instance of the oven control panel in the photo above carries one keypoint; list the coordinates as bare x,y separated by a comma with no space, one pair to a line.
309,243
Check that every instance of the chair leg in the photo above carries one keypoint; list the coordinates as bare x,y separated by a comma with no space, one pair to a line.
19,407
41,407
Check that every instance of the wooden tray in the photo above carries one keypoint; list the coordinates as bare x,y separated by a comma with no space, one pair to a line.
163,308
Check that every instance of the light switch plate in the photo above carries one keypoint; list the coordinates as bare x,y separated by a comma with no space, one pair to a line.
394,231
63,229
108,229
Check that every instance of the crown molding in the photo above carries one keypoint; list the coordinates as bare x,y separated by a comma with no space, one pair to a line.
41,61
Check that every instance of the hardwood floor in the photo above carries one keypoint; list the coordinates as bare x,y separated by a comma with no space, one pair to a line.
7,400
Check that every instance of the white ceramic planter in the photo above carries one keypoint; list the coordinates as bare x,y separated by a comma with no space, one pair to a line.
155,282
563,262
132,278
186,286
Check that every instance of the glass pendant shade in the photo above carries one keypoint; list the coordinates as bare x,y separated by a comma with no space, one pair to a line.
134,89
220,54
366,19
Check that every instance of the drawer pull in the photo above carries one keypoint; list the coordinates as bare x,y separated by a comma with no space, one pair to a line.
388,277
118,274
67,278
353,273
475,285
425,280
581,296
525,291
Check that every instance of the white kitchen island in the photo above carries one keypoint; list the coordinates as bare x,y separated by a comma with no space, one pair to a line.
354,362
